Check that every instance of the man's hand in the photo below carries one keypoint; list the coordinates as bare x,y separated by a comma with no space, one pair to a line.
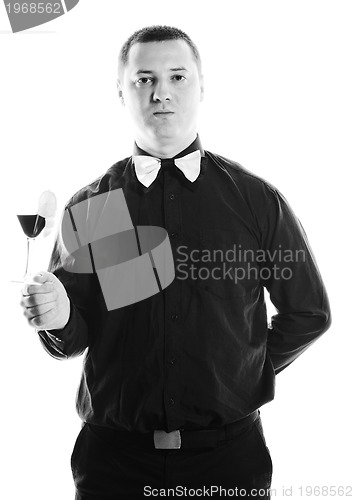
46,305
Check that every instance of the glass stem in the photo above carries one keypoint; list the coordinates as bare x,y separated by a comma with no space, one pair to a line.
29,246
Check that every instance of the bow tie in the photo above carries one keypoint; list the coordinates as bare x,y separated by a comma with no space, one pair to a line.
147,167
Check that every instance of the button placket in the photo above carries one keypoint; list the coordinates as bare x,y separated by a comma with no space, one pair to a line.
172,210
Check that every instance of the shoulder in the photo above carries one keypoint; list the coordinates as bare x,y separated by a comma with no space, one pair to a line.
256,192
243,178
265,201
102,184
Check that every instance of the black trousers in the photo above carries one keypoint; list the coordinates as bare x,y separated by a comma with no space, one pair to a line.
236,468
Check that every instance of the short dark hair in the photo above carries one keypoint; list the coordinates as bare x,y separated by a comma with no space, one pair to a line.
157,34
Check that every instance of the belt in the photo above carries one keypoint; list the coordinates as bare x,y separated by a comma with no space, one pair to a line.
177,439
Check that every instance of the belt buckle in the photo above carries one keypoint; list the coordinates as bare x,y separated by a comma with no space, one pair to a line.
167,440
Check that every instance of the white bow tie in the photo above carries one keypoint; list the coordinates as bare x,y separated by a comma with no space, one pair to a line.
147,167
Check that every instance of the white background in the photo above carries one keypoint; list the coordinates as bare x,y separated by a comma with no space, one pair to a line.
279,99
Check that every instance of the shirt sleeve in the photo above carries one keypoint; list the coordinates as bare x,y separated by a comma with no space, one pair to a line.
294,283
69,341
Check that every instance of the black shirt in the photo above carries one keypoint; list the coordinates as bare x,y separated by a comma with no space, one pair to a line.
198,354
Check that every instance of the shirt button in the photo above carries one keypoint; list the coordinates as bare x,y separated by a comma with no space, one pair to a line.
174,235
172,361
171,401
174,317
172,196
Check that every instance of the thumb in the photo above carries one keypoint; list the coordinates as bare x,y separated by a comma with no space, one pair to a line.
44,277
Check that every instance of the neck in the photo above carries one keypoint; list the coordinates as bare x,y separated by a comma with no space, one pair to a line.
168,149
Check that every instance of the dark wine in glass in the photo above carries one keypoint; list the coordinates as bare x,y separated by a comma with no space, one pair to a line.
33,224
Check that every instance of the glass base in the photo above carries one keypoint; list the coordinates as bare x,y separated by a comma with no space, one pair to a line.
25,280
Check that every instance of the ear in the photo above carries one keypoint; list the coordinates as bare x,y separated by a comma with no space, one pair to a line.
120,92
201,88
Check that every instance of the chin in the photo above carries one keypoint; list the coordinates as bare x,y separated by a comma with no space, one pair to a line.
165,136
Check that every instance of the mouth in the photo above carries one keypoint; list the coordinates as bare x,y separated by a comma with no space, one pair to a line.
163,113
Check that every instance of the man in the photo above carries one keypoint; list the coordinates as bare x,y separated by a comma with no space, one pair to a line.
173,380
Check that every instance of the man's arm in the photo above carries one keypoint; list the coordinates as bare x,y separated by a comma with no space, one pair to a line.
295,286
62,307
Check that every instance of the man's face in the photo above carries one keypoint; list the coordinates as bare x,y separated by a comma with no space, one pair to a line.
162,89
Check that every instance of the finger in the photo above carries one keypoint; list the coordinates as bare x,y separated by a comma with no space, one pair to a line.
38,311
37,299
46,287
36,280
44,321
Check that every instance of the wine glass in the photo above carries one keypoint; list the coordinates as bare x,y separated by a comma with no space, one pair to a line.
33,224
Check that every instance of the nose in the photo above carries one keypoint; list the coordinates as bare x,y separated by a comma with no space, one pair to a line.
161,92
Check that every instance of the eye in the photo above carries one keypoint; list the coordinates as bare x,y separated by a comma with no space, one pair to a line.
144,80
178,78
